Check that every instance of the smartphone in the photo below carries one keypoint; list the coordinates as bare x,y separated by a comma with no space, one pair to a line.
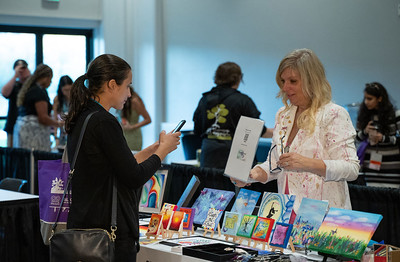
179,126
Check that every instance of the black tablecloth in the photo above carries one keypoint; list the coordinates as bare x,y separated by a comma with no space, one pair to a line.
20,238
379,200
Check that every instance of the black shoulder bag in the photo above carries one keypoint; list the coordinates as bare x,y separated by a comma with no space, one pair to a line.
89,245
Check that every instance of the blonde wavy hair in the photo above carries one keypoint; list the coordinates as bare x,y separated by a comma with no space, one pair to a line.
315,86
40,72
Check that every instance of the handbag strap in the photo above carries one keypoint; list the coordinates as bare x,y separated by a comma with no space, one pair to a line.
70,175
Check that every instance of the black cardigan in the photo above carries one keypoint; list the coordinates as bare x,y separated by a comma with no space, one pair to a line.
104,154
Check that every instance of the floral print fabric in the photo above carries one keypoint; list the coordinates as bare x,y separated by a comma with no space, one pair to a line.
332,141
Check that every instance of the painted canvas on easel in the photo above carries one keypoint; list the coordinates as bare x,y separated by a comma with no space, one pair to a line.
309,218
166,220
246,226
246,201
262,229
231,223
154,224
188,218
212,219
276,206
345,233
176,220
168,206
210,198
281,235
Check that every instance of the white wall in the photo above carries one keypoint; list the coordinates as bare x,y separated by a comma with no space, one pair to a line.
175,46
358,41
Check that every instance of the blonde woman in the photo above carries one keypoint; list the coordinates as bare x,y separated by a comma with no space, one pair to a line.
313,152
32,129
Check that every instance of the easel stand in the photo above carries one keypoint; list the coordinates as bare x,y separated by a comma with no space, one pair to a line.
212,231
189,232
241,239
234,238
281,249
148,236
172,232
260,242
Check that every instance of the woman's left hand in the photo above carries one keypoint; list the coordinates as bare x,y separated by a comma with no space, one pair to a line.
292,162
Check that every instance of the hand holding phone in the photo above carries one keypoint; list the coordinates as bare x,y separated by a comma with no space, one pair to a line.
179,126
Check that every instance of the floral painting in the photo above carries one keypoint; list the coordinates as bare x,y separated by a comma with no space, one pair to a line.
345,233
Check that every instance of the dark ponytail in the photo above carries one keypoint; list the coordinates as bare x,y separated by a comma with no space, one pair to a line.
101,70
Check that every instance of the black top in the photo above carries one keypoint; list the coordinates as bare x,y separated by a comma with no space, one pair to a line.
104,153
219,111
34,94
12,108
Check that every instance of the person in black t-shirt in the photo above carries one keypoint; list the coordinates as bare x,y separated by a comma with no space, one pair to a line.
218,113
10,91
32,129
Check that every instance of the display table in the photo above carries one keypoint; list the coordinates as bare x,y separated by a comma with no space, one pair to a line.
155,252
20,238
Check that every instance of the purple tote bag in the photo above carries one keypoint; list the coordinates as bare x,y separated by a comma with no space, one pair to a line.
52,179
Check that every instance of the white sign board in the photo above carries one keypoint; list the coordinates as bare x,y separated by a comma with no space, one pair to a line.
244,147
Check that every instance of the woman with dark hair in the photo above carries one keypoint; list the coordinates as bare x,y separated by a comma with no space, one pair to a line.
61,106
32,129
218,113
378,126
105,155
133,109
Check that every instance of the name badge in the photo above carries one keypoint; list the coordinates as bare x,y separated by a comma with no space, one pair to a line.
376,161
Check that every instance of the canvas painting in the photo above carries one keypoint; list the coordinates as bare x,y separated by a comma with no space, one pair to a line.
276,206
281,235
246,226
153,192
262,229
166,220
231,223
345,233
168,206
155,224
212,219
210,198
189,192
246,201
188,218
309,218
176,220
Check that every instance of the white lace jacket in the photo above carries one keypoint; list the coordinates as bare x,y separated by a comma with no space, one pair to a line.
332,141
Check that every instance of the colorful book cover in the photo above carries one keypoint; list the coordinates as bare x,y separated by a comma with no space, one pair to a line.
212,219
166,220
246,201
345,233
262,229
231,223
281,235
188,218
210,198
154,224
176,220
276,206
309,218
246,226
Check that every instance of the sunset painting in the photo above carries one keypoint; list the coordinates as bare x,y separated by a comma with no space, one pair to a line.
345,233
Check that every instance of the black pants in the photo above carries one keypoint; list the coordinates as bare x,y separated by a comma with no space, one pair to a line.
126,250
